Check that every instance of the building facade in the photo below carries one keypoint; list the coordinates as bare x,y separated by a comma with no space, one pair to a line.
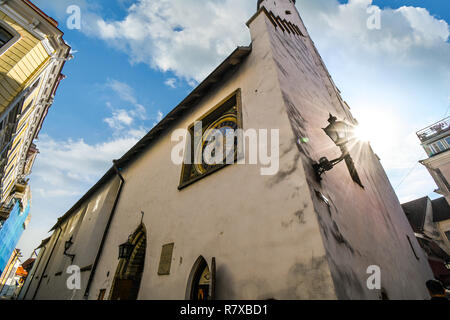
157,228
435,140
8,277
430,220
32,55
13,228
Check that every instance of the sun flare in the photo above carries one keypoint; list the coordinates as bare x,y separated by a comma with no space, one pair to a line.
363,133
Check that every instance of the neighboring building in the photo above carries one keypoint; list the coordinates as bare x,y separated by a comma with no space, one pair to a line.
29,263
13,228
32,55
20,276
156,228
430,220
435,140
8,279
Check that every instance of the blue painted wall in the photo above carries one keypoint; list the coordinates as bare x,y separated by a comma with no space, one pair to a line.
10,233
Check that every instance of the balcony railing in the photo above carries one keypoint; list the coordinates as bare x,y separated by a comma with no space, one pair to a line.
435,130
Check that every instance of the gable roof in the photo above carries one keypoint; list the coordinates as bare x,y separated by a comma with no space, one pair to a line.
416,211
441,210
229,64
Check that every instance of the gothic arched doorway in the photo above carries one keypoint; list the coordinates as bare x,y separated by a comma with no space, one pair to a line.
201,281
127,280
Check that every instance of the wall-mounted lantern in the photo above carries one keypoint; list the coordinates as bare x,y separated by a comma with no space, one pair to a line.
67,245
125,249
341,133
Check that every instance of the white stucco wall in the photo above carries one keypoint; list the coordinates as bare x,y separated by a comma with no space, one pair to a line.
362,227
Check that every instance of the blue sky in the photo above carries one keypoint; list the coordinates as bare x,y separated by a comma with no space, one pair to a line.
134,60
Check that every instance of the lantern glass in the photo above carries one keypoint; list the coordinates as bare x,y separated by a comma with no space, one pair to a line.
125,250
338,131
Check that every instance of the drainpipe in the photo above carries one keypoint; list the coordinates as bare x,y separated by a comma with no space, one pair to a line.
105,233
46,265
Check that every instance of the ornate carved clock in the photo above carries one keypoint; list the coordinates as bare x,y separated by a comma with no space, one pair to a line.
218,144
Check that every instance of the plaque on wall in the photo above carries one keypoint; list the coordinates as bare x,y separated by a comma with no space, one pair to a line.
166,259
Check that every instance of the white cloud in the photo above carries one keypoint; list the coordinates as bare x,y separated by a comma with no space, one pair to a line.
188,37
64,164
119,119
171,82
125,92
123,118
427,28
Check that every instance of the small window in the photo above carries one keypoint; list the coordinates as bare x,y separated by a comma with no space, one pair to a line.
442,178
438,147
101,295
206,154
448,235
5,36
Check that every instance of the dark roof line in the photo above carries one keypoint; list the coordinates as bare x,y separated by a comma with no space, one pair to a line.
415,211
44,242
234,59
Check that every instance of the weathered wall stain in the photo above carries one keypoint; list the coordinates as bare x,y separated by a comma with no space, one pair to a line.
300,214
309,281
297,123
340,239
282,174
347,284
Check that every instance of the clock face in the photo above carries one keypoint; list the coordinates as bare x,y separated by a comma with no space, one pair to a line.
226,125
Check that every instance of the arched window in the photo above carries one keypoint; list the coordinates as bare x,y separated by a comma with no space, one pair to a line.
127,280
201,283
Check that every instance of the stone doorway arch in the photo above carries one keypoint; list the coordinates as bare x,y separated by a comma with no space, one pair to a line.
127,280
